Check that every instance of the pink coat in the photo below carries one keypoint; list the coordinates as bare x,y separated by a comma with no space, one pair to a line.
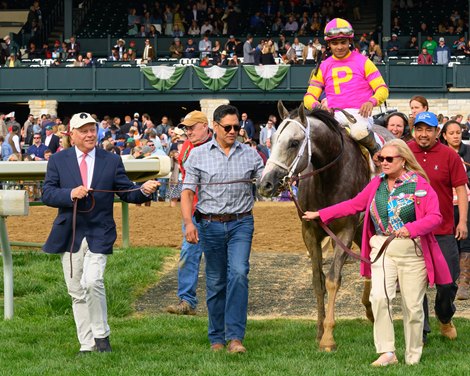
428,218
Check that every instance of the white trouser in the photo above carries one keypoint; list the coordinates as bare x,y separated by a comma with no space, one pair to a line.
86,287
361,128
402,262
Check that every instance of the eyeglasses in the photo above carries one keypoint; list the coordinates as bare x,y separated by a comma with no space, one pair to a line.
150,144
388,159
228,128
36,137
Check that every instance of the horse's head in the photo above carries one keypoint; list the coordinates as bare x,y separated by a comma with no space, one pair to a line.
289,152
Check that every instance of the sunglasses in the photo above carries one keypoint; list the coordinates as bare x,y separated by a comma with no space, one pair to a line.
388,159
36,137
228,128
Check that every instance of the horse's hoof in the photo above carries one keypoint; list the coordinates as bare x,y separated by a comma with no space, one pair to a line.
329,348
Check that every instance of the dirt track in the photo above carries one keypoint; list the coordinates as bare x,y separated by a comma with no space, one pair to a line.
280,276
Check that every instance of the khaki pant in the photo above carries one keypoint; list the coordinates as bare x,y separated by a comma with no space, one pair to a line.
86,288
400,262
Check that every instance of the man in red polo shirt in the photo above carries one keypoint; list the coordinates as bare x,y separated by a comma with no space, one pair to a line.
197,129
445,171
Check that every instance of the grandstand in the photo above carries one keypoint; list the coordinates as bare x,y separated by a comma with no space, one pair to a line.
98,24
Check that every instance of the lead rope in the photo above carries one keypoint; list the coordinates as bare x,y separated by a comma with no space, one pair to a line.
338,241
91,191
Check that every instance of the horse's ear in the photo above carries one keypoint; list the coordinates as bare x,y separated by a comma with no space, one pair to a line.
283,113
302,113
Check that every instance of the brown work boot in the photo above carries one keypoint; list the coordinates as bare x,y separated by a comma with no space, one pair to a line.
463,293
236,347
448,330
182,308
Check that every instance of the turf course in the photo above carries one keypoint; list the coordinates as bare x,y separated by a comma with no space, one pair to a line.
41,339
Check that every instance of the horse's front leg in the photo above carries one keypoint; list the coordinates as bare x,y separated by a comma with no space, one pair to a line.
333,283
313,243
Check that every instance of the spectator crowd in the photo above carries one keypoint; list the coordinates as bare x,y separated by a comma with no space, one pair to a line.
206,30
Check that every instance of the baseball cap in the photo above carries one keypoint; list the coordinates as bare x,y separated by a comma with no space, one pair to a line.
179,131
441,39
223,52
310,41
49,127
193,118
79,120
394,35
427,118
136,115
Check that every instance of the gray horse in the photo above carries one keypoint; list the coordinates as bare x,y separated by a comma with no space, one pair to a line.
310,141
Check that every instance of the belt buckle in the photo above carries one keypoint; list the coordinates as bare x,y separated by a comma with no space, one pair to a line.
225,217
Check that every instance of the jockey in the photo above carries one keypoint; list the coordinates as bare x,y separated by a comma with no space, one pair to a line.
351,82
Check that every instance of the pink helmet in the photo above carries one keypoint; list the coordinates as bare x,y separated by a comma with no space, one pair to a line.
338,28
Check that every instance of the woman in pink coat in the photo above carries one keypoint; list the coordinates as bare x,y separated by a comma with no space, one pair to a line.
399,201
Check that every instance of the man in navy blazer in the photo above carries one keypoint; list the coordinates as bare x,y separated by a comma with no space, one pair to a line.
71,175
248,125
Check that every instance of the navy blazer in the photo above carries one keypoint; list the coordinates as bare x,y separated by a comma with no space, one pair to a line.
98,226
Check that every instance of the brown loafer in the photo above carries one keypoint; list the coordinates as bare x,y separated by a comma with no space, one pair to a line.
217,347
236,347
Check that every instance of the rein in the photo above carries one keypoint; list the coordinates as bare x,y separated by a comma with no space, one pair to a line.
75,211
92,206
338,240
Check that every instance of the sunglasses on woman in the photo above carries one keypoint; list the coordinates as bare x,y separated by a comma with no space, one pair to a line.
388,159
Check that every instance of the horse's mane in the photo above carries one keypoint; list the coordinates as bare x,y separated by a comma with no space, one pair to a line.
322,115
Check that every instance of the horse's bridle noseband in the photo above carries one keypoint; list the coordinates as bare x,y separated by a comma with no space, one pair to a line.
306,142
288,179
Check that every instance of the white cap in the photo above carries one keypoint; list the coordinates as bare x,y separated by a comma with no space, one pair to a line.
136,115
79,120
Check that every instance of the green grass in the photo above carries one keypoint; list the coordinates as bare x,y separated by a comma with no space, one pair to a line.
41,339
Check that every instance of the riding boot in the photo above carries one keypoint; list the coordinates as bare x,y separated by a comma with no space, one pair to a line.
463,292
370,144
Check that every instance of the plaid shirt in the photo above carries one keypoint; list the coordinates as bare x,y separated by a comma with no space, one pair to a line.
208,164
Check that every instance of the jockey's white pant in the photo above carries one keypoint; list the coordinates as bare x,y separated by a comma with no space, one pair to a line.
361,128
88,293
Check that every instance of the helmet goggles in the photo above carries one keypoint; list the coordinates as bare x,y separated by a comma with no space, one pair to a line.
339,32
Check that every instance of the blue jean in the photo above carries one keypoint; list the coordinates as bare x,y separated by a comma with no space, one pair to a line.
227,247
163,188
188,270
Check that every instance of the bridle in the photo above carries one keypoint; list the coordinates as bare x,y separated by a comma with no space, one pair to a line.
289,178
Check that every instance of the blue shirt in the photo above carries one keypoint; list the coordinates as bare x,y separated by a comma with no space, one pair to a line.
6,151
38,151
208,163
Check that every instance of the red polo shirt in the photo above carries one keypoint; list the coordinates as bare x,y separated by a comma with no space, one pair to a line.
445,170
183,156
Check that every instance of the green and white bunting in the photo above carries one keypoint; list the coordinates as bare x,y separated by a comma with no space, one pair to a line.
163,77
266,77
215,78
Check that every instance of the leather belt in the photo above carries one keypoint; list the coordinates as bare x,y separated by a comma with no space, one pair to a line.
225,217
